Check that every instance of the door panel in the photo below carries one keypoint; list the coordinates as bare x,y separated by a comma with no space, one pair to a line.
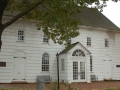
82,70
16,69
19,69
107,69
22,68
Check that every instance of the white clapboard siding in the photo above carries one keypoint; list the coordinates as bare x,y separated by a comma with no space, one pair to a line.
63,74
34,48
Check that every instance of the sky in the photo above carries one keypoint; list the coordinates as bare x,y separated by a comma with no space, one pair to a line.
112,12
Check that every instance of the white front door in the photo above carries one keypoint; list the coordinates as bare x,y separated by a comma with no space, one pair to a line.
19,68
79,71
107,69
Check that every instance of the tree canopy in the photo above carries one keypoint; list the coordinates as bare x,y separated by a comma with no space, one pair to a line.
56,17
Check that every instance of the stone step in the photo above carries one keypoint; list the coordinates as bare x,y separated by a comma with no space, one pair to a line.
19,82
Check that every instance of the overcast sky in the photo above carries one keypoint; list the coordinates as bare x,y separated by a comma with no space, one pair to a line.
112,11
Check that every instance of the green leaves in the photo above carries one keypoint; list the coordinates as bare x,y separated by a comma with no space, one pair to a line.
61,19
57,17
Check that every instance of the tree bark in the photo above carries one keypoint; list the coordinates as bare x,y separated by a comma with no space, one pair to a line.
3,4
1,30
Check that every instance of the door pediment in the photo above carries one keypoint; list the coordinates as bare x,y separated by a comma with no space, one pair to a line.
74,47
79,46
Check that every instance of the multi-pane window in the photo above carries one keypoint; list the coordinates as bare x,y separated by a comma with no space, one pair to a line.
106,43
69,40
78,52
82,70
88,41
90,63
62,65
20,35
45,38
75,70
45,62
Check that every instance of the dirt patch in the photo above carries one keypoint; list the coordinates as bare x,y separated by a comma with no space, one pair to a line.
81,86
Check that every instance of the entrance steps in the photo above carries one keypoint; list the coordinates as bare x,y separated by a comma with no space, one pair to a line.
110,79
19,82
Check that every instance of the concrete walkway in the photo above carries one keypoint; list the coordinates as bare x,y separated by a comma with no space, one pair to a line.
82,86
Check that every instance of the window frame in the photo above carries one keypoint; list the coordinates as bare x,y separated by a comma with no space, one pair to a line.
69,40
89,41
106,41
91,63
45,65
45,39
78,51
62,65
22,36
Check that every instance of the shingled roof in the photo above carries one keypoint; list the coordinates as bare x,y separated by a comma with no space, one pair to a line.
68,48
94,18
89,17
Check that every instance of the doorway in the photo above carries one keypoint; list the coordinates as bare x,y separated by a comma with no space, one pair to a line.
107,69
19,63
79,71
19,69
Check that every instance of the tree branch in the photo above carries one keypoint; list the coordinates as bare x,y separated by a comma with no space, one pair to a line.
21,14
47,8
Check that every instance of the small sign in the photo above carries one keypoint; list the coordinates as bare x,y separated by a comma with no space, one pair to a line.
117,65
2,64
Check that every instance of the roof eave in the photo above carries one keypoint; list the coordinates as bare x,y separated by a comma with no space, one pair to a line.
94,28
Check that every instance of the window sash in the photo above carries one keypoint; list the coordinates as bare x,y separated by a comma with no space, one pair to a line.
45,67
78,52
91,63
69,40
45,62
106,43
62,65
45,38
20,35
88,41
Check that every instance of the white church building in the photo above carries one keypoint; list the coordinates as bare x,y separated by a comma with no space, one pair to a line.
26,52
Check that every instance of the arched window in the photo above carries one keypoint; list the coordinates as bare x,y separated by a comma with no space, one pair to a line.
45,62
90,63
78,52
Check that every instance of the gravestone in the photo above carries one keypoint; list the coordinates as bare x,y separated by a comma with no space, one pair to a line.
40,84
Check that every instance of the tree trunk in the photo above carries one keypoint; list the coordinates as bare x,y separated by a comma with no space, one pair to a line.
3,4
1,30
